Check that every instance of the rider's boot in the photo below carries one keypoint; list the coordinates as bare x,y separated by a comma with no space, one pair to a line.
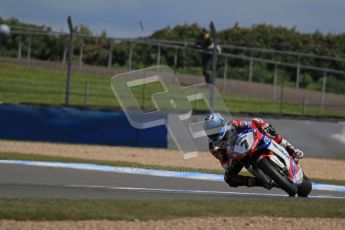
254,182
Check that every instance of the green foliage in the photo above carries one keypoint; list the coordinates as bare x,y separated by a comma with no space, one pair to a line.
262,74
42,47
240,73
97,50
335,85
180,32
305,80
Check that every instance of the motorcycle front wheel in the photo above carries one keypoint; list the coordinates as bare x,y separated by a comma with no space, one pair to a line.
278,177
305,187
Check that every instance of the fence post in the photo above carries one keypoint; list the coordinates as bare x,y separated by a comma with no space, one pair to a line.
28,58
110,56
305,101
69,61
19,56
143,97
64,51
214,61
130,57
281,95
298,73
275,82
251,66
86,93
159,54
225,73
323,94
81,54
175,59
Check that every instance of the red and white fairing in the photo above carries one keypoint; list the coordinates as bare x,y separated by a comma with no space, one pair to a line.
247,143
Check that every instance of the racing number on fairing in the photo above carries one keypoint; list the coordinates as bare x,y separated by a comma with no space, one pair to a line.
244,143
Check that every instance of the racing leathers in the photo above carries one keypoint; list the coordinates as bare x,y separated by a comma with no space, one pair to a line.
222,151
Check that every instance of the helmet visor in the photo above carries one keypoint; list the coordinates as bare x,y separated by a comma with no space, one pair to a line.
216,132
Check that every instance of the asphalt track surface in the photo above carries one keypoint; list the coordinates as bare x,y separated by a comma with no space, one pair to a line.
49,182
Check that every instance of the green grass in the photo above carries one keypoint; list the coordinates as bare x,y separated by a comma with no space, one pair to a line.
197,71
100,209
38,157
20,84
34,85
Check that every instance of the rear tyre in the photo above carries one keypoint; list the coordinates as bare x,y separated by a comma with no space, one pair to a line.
278,177
305,187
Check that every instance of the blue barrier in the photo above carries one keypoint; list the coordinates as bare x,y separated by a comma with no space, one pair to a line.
71,125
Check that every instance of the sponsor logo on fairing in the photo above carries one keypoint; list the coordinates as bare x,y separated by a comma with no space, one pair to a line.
255,131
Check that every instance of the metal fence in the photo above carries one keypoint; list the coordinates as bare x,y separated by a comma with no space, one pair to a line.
278,92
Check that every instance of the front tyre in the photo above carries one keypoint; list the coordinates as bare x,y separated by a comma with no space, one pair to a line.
278,177
305,187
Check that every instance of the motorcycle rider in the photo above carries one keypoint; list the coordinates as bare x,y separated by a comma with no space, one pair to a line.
222,135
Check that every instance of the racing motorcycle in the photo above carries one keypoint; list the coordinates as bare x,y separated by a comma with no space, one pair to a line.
270,163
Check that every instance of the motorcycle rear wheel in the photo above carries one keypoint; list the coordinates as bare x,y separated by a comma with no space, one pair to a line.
278,177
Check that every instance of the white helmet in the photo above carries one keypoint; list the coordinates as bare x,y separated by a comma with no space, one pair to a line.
215,126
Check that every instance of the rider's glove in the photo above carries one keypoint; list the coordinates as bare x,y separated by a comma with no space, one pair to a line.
269,131
296,153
